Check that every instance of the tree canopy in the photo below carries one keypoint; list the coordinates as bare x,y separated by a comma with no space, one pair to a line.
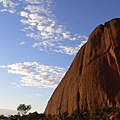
23,108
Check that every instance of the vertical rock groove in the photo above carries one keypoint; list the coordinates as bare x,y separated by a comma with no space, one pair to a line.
78,100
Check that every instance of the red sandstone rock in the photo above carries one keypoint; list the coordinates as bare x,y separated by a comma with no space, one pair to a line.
93,79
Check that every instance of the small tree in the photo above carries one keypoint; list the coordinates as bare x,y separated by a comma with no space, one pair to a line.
23,108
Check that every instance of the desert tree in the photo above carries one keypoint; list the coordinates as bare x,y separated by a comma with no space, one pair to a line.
23,109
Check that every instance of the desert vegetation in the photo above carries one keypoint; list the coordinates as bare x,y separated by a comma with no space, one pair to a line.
23,109
104,113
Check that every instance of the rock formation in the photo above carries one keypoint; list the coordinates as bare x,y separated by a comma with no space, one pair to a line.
93,79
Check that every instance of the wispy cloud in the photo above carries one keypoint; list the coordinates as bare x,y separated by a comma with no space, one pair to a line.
49,32
35,74
15,84
9,6
39,22
39,95
34,1
32,96
68,49
22,43
29,96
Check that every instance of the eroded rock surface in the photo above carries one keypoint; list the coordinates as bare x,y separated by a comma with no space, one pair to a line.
93,79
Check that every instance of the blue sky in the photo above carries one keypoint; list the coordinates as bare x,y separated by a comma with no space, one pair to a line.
38,41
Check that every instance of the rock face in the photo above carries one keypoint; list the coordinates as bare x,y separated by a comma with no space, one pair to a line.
93,79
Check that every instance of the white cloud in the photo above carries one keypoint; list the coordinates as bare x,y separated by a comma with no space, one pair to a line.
15,84
2,66
49,31
44,43
66,35
39,95
3,10
8,5
59,29
24,14
69,50
41,8
41,28
22,43
33,95
29,96
40,23
33,35
34,1
35,74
